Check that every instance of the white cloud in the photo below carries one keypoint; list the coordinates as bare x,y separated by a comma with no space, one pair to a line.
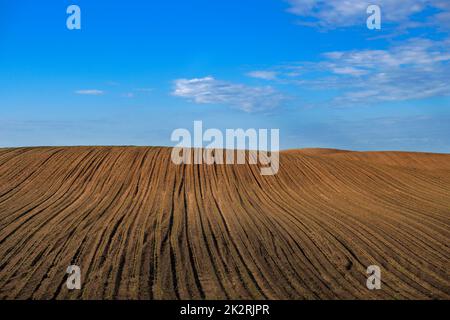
261,74
91,92
330,14
416,69
211,91
348,71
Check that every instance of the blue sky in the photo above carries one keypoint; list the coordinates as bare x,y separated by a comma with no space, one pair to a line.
137,70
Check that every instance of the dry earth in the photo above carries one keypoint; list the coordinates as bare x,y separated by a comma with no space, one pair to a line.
142,228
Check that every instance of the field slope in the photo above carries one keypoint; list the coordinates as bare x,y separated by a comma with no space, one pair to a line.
142,228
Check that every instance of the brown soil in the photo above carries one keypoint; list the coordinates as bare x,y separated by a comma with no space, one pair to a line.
142,228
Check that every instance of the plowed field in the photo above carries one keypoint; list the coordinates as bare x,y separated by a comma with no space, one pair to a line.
141,227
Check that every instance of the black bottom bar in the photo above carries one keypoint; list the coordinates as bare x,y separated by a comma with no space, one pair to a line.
128,310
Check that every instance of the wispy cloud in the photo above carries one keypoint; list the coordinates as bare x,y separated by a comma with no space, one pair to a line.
263,74
415,69
331,14
211,91
90,92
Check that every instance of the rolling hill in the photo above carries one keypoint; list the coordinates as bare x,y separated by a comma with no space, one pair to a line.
141,227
